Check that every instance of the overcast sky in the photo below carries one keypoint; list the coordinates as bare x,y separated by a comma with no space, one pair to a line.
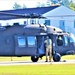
8,4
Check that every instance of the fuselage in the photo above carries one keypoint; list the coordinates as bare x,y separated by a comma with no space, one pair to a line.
20,40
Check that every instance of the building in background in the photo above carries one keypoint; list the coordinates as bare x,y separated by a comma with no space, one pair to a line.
58,16
63,18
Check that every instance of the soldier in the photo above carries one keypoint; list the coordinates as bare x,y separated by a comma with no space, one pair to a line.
48,47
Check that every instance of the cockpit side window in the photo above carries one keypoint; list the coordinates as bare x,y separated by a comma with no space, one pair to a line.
59,40
66,40
72,38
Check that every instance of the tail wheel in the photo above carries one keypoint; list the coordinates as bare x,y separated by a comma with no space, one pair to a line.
56,57
34,58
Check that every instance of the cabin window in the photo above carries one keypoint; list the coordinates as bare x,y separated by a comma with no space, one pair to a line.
47,22
21,42
66,40
59,40
31,41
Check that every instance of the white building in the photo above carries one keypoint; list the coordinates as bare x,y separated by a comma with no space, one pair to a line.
62,17
58,16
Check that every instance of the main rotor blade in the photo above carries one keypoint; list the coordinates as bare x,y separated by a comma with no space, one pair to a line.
6,16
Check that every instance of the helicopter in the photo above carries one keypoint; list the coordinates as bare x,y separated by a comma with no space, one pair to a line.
28,40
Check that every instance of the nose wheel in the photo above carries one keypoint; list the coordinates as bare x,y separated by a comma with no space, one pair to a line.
56,57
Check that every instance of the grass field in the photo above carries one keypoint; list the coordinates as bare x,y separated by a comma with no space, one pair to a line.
50,69
42,69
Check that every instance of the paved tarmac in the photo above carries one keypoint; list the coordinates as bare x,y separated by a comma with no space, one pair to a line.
8,63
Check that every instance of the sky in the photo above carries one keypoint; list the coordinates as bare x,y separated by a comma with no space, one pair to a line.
8,4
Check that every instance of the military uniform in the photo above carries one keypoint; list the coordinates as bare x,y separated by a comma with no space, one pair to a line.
48,46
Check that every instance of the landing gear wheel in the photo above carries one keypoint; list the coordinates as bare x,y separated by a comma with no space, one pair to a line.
56,57
34,58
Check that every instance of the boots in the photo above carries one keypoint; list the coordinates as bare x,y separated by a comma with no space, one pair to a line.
46,60
50,59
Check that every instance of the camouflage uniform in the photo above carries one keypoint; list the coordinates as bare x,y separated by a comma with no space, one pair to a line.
48,45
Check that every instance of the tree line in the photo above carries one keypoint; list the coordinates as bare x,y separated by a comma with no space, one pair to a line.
68,3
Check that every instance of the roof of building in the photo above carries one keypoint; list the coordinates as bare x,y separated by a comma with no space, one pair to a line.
61,11
13,14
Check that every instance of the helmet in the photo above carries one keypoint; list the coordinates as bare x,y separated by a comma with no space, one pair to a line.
47,37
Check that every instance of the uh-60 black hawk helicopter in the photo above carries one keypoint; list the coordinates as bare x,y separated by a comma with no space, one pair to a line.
28,40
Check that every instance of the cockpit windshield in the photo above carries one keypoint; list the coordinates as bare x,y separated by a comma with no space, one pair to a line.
72,38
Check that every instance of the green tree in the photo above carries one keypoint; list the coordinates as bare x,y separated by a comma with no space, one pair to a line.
61,2
72,6
48,2
24,6
40,4
54,1
65,3
16,6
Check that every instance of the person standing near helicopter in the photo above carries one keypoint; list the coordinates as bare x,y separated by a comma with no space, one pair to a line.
48,47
